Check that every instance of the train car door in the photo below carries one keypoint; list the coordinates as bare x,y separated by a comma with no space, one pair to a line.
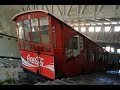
36,48
46,55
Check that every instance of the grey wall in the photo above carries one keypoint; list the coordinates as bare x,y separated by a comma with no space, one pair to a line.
9,47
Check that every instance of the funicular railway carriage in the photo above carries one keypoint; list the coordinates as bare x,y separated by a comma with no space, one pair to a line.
51,48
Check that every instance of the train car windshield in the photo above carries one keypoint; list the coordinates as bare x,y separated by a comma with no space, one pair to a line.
34,32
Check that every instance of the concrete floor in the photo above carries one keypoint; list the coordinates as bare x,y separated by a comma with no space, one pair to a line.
98,79
108,78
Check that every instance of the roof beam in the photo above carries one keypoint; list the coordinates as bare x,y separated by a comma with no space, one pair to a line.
101,30
35,6
107,34
99,8
117,36
28,7
59,10
68,11
82,9
47,8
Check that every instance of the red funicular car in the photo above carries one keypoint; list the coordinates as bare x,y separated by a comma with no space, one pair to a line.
51,48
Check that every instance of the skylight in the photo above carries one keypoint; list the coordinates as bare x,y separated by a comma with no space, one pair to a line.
107,28
91,29
117,28
97,29
83,29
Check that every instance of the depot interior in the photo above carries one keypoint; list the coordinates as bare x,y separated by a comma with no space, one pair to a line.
99,23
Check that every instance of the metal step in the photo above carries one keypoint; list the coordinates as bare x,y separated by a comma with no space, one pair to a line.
58,82
38,83
62,82
69,81
54,83
49,83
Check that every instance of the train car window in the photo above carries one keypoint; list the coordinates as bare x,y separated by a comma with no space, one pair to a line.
17,28
54,36
100,57
95,54
72,47
27,29
89,53
69,49
92,55
44,28
81,43
66,51
35,34
20,31
75,43
34,24
105,56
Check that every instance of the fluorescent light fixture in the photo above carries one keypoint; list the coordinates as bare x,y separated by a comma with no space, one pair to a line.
114,23
87,23
93,24
106,23
82,24
99,23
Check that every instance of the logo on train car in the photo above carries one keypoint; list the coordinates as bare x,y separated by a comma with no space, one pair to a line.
32,61
35,60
